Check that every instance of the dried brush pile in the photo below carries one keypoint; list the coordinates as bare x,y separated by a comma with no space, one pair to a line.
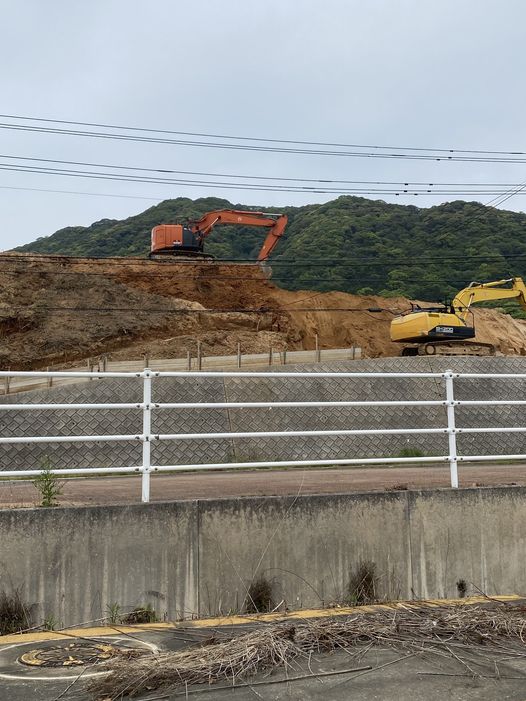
445,631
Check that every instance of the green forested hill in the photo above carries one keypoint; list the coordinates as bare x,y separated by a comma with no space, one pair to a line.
350,244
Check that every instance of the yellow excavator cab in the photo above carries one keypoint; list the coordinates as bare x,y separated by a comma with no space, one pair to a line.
422,326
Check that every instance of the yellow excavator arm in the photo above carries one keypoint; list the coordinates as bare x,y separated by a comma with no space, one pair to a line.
483,292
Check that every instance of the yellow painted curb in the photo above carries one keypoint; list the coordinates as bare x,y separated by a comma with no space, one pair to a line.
101,631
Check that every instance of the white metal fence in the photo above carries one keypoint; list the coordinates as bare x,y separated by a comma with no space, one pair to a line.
147,406
198,363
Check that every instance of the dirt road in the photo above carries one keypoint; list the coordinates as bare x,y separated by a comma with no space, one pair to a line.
118,490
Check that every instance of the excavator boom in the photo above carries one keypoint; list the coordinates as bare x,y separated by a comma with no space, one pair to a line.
277,224
174,238
484,292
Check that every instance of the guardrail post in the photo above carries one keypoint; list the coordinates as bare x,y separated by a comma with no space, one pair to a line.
451,427
147,431
318,354
239,355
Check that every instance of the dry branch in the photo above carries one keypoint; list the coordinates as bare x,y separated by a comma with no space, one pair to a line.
448,631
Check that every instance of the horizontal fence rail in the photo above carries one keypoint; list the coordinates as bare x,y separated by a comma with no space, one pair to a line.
147,437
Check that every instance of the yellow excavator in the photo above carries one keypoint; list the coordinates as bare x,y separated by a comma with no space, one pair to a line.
445,330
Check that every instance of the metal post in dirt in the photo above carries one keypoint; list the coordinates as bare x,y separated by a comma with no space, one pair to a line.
284,357
89,366
7,383
104,363
451,428
146,430
146,360
199,356
318,352
49,379
189,360
239,355
270,355
353,352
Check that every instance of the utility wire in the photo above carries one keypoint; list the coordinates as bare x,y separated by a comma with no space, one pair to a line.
233,310
31,257
401,183
253,138
117,177
263,149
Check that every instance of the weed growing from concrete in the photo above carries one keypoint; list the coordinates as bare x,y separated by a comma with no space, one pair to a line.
140,614
259,596
410,452
113,613
14,614
462,588
48,484
362,584
49,623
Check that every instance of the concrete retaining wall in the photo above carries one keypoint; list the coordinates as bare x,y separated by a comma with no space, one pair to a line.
204,389
200,556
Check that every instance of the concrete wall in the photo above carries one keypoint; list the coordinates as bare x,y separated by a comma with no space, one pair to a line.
203,389
200,556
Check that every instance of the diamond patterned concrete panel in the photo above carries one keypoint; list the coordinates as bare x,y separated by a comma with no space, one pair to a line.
205,389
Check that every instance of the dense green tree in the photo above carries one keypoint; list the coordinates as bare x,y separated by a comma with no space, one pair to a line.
350,244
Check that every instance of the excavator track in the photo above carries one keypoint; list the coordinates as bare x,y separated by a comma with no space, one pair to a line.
450,348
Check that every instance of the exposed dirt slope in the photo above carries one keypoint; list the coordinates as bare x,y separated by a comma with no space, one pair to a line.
57,310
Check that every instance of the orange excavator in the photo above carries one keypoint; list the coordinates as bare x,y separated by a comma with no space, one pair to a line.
179,240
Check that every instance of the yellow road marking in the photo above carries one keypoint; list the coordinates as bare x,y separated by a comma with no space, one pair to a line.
101,631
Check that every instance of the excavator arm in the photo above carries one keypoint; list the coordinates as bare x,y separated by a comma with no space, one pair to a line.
276,222
483,292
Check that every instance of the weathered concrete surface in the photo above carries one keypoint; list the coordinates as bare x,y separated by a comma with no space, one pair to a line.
477,535
72,564
204,389
306,547
201,556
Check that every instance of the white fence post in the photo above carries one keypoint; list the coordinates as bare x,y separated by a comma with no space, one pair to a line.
147,430
451,428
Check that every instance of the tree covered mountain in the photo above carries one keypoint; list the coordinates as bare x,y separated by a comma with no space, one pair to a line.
350,244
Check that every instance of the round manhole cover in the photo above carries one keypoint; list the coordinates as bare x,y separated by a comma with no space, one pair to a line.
71,655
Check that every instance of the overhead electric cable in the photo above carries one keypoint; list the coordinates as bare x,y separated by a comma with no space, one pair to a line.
268,149
256,138
118,177
324,181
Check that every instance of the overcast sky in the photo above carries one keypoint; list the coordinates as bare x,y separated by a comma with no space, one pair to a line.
423,73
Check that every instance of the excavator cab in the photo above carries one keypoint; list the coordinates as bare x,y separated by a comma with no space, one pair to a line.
170,239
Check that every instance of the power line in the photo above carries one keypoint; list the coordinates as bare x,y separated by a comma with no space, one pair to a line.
117,177
77,192
265,149
254,138
256,177
22,257
144,310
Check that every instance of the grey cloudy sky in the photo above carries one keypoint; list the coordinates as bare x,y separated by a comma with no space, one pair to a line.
439,73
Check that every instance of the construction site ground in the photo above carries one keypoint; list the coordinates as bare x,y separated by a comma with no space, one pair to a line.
57,310
224,484
386,673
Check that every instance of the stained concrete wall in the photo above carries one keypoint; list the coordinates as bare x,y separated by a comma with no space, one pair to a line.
198,388
200,556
